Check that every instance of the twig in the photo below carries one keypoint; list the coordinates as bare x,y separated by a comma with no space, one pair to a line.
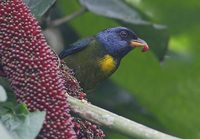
67,18
113,121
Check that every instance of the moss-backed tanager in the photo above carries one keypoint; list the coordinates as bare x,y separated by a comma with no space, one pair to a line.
95,58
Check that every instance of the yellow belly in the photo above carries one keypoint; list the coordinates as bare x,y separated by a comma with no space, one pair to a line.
107,64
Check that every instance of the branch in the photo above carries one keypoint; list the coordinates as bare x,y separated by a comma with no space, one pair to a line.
105,118
67,18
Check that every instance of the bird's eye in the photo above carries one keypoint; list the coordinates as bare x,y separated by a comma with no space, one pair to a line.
123,34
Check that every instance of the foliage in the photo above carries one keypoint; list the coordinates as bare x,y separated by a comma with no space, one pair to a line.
3,95
164,96
39,7
4,134
20,123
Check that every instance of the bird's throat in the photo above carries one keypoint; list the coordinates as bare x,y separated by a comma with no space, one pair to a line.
107,64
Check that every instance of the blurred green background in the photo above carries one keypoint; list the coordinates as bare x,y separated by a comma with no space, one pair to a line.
160,89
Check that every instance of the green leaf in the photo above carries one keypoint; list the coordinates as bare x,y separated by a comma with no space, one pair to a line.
7,107
4,133
114,9
3,95
21,109
10,94
20,123
39,7
30,128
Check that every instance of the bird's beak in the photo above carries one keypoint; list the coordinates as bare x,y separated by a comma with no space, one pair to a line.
139,43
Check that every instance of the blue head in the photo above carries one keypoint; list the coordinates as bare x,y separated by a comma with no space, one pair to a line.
118,41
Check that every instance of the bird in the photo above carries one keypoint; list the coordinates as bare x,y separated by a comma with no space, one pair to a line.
94,59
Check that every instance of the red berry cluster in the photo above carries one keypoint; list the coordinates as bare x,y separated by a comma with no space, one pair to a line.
87,130
33,69
36,76
71,83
